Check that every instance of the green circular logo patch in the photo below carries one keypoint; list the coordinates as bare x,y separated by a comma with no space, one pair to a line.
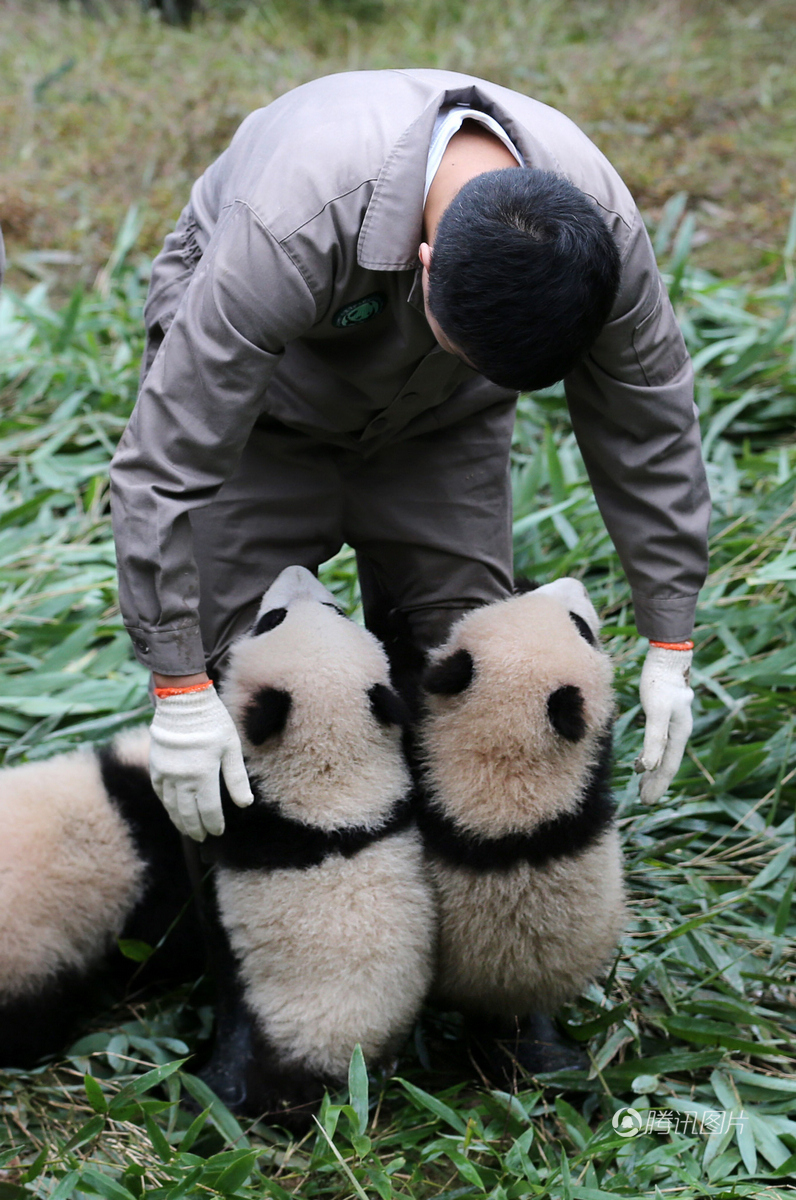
359,310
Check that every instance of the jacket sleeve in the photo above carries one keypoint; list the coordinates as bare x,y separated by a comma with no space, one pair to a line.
194,414
633,412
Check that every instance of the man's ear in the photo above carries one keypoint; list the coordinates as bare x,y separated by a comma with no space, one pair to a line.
424,254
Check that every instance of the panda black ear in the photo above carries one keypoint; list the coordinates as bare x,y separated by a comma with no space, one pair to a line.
269,620
266,714
387,706
584,628
451,675
565,710
522,585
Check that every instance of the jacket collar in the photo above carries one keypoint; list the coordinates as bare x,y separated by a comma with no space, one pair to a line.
392,230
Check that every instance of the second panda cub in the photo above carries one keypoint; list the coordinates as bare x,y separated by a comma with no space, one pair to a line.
518,817
320,884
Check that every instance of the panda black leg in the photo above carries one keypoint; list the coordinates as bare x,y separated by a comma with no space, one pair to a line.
244,1069
280,1093
37,1024
505,1050
229,1066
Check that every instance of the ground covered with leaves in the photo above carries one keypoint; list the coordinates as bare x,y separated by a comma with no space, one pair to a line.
698,1014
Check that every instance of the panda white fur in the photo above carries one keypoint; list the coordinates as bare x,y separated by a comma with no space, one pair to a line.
87,855
518,817
320,883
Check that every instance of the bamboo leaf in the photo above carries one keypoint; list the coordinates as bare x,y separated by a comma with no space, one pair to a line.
358,1088
433,1105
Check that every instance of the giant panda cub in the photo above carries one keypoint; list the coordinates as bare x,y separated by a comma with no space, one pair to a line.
320,884
88,855
518,818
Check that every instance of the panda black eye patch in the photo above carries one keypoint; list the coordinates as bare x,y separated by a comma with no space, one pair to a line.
584,629
450,676
387,706
266,714
565,710
269,620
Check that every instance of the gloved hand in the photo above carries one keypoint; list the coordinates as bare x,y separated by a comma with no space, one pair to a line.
666,699
192,736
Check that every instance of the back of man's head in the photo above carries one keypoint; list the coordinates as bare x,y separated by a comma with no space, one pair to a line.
524,272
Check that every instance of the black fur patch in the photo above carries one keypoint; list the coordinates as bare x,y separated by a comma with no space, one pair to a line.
559,837
261,838
41,1022
250,1076
584,628
269,620
451,675
266,714
565,710
407,659
387,706
521,586
167,897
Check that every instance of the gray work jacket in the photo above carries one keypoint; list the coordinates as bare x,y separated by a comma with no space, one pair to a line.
315,206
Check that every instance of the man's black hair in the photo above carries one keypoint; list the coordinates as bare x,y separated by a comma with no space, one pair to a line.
524,272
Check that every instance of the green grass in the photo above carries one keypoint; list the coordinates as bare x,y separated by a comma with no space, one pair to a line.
699,1009
97,114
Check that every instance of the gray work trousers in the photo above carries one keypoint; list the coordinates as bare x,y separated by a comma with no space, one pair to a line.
429,519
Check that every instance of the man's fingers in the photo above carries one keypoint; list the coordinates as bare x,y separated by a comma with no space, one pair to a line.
655,734
656,782
158,785
208,803
653,785
233,769
168,795
189,822
679,733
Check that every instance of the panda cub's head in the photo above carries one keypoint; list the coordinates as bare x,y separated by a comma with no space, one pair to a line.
519,710
309,691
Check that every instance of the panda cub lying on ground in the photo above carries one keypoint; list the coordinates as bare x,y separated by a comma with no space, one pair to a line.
515,750
87,856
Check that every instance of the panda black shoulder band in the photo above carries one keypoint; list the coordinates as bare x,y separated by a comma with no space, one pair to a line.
558,837
261,838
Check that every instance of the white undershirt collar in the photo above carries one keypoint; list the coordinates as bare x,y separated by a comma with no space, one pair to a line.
448,122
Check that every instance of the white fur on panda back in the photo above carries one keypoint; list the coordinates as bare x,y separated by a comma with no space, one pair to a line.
491,754
131,747
69,870
318,986
528,939
333,764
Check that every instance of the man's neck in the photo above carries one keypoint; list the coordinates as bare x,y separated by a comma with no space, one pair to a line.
471,151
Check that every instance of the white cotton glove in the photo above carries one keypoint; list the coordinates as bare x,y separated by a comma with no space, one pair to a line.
666,699
192,735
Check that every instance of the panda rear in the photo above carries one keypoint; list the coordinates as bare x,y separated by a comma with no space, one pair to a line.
87,856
